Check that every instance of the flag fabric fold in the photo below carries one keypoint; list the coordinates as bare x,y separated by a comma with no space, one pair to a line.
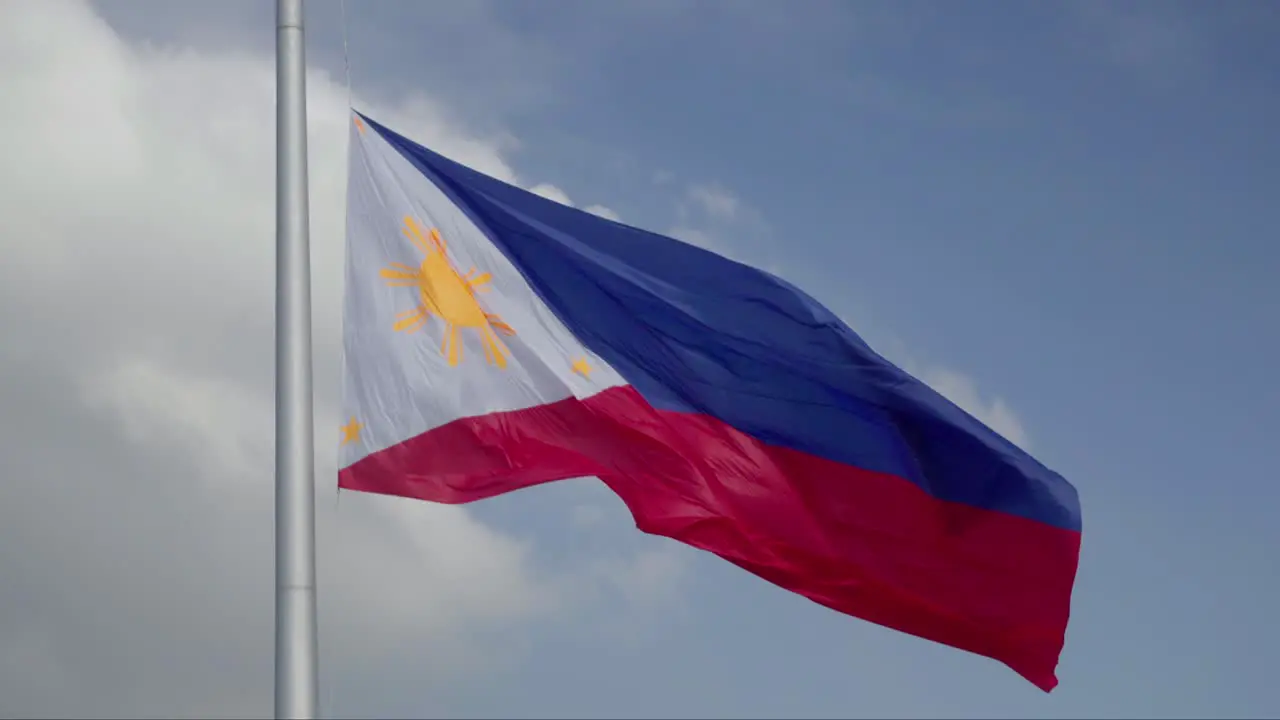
495,339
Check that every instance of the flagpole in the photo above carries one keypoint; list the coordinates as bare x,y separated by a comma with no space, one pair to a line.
296,673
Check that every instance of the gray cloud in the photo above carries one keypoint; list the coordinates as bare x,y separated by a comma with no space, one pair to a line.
136,216
136,211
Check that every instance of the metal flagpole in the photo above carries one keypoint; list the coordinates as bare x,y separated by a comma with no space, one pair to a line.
297,691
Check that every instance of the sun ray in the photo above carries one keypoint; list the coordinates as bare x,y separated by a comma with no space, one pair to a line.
400,274
494,346
417,241
480,283
488,349
451,340
497,324
413,231
401,278
420,310
501,347
411,324
411,319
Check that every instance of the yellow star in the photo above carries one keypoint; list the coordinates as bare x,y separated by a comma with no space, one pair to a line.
581,367
350,431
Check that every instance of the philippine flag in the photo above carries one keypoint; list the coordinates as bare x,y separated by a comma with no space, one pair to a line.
494,339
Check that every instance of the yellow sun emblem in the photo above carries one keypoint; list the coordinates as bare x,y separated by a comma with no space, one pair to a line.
447,294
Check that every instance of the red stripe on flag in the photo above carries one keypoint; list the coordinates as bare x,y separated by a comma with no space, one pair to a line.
868,544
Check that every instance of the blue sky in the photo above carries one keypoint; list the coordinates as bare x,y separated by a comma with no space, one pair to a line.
1070,204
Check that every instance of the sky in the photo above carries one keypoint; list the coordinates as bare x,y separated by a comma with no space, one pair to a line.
1060,215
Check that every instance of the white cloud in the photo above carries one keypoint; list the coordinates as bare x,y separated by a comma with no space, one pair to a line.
213,417
693,237
136,215
710,216
959,388
646,578
464,570
586,514
715,200
603,212
629,582
551,192
995,413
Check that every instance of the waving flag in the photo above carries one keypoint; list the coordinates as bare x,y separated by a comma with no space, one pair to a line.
494,340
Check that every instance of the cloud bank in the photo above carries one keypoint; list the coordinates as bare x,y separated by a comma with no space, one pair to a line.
136,515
